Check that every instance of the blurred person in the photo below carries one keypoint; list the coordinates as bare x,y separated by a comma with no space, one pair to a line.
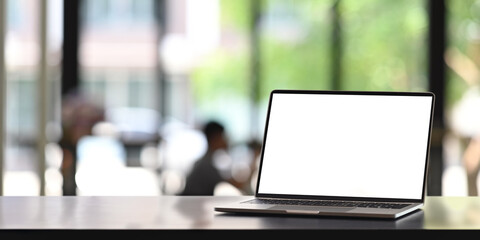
79,115
465,115
471,159
466,122
214,167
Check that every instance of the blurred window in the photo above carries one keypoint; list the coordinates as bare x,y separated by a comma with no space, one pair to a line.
118,59
205,56
22,53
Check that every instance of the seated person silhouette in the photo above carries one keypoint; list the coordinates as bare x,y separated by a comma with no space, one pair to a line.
206,172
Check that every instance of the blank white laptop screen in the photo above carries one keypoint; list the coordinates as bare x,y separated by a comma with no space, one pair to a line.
346,145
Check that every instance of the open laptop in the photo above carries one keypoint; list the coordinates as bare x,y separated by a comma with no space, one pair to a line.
343,153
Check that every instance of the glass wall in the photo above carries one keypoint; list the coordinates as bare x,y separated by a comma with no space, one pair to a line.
153,72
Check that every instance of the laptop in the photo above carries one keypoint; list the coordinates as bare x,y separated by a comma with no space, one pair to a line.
342,153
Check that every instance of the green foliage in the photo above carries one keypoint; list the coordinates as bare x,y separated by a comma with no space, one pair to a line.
462,16
236,14
221,74
301,66
295,46
384,45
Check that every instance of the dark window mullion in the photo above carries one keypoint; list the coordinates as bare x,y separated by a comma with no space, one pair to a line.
71,36
255,63
336,49
436,81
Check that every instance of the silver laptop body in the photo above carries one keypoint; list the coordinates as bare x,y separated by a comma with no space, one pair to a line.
343,153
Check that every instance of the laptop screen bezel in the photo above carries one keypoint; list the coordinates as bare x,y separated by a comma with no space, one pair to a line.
325,197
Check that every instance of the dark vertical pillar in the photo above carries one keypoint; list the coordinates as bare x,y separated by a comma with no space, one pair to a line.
69,82
255,11
437,82
161,22
71,36
336,49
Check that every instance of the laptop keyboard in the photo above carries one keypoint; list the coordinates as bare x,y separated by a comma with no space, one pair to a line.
329,203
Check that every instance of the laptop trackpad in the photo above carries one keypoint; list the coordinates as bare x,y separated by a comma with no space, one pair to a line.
311,209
